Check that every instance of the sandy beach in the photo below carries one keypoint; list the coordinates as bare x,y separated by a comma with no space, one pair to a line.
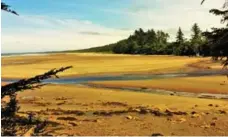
77,109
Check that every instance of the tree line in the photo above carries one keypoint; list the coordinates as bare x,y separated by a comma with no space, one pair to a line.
209,43
156,42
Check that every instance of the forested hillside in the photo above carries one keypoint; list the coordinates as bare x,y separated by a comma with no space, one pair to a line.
153,42
103,49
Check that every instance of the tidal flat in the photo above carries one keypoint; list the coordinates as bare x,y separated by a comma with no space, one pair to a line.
79,109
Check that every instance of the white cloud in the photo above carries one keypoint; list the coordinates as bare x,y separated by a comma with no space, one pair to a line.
169,15
41,33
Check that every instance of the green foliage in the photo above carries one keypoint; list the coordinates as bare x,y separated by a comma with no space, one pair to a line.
222,13
179,45
212,43
196,36
9,109
6,8
153,42
102,49
180,36
141,42
196,39
218,37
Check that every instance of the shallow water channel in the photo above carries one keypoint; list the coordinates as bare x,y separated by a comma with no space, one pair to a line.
85,80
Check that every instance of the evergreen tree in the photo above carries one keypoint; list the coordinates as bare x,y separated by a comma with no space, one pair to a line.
196,39
161,41
196,32
140,37
179,44
8,110
9,119
218,37
133,47
180,36
151,36
6,8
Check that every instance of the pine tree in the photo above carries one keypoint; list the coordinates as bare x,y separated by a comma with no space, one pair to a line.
9,109
221,12
181,46
219,36
179,42
180,36
196,39
196,32
6,8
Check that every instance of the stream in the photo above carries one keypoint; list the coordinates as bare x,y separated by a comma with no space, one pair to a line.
85,81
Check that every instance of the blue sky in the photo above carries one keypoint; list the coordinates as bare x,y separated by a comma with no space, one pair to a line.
45,25
71,9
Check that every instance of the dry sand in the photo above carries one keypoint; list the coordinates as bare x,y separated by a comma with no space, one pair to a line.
54,101
204,84
91,64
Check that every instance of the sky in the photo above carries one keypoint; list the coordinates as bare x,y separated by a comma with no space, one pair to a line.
54,25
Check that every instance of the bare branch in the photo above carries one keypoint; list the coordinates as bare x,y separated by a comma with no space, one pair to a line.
202,2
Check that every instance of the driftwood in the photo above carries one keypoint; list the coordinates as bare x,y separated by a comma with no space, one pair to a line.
31,83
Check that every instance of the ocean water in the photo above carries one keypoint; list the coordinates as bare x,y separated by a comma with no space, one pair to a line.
23,54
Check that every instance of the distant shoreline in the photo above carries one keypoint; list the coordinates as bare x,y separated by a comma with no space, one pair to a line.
22,54
29,53
36,53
